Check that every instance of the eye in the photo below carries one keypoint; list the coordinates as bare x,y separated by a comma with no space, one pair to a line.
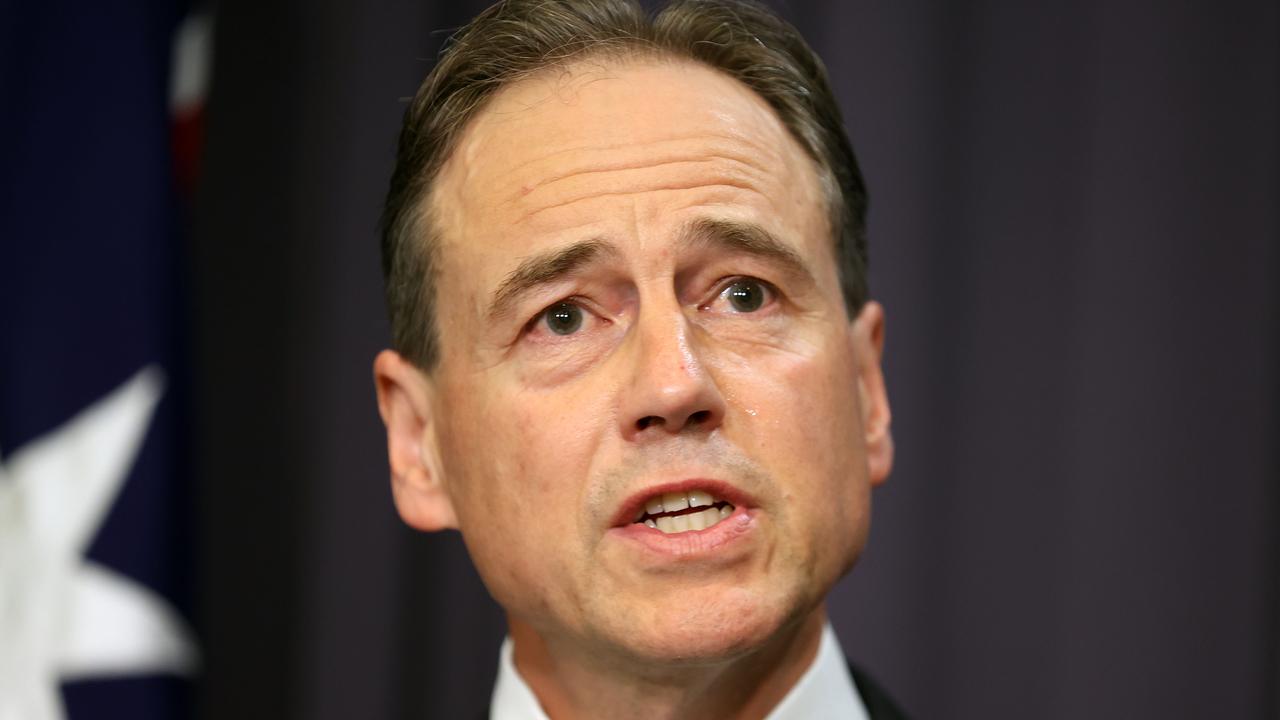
563,318
746,295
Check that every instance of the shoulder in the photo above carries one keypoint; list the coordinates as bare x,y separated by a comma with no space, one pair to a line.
879,705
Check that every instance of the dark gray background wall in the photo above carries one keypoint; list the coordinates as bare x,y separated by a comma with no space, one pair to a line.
1073,227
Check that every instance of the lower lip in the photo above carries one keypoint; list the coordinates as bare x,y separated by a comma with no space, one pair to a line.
691,544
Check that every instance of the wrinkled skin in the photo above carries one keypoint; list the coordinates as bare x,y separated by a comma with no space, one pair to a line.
530,440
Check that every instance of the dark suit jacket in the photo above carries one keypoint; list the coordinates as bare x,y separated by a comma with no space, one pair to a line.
879,705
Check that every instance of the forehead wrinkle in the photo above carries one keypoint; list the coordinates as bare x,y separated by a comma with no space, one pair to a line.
739,165
669,186
543,268
723,148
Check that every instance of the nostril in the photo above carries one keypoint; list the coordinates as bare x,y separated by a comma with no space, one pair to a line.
699,417
647,421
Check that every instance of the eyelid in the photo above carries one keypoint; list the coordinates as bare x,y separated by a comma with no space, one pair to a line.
541,315
772,294
589,312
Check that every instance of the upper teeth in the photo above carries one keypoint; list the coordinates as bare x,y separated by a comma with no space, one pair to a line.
675,502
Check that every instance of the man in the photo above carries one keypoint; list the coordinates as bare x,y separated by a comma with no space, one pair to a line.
635,364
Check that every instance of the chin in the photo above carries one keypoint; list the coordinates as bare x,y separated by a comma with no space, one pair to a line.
706,628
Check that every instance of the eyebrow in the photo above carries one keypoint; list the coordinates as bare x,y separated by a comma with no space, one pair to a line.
544,268
709,233
744,237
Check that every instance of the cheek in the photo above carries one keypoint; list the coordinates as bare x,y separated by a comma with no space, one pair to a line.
799,413
486,465
486,459
804,402
516,467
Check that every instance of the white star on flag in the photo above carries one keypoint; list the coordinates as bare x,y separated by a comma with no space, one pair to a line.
63,617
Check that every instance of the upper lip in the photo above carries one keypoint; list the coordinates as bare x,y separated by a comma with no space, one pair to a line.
635,503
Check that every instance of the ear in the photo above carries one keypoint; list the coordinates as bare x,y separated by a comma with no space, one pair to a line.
868,338
405,396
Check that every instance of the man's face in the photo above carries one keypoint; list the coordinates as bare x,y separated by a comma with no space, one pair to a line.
637,299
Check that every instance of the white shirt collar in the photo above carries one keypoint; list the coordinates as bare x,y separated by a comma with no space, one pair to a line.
824,691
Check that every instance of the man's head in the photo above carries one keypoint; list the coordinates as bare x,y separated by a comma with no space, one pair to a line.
638,303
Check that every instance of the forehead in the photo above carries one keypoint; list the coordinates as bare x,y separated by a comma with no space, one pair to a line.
586,147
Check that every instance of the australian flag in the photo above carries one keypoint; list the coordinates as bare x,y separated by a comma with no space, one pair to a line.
95,496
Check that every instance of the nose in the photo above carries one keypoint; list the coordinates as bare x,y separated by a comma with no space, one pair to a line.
670,391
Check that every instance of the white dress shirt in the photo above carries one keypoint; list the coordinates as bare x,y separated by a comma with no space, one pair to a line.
824,691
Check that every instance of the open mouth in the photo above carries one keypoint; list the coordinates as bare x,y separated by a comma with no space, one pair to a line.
678,512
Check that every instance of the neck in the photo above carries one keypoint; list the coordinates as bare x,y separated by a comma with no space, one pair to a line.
572,683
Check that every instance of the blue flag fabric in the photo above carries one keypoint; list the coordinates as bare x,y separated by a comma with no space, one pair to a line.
95,514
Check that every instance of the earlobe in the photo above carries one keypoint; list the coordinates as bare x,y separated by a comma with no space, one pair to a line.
417,474
868,337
